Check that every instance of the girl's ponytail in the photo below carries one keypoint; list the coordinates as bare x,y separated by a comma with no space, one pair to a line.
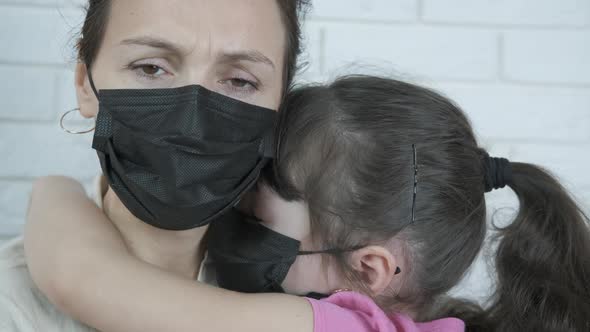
543,258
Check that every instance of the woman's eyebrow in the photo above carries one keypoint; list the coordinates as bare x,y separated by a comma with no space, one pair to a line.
247,55
155,42
253,56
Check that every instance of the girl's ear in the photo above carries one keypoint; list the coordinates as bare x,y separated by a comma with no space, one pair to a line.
376,266
87,101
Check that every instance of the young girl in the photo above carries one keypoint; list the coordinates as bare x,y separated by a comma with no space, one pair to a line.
376,199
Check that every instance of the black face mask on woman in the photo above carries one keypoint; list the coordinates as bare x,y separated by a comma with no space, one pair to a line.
179,158
252,258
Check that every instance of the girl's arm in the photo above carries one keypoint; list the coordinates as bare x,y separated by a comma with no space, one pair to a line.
77,257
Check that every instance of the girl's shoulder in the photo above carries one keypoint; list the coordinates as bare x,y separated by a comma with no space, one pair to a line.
351,311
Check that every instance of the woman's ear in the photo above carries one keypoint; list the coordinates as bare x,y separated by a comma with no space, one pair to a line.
376,266
87,101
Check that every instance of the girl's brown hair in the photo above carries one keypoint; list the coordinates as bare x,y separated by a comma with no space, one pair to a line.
346,150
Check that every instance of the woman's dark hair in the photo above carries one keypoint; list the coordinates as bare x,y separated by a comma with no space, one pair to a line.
98,12
346,149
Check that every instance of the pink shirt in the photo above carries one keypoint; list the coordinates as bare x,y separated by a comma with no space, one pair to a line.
354,312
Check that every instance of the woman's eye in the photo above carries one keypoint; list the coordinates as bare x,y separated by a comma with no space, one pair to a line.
239,87
149,71
240,83
152,70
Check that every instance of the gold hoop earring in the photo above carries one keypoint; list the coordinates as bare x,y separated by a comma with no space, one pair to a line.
61,124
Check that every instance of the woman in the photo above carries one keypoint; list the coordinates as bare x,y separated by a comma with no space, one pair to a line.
247,53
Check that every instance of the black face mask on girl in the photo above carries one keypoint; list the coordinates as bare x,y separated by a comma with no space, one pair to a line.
179,158
252,258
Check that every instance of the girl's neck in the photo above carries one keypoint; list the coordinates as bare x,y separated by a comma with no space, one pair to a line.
180,252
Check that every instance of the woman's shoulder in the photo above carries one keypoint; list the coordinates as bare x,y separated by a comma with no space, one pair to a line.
22,306
350,311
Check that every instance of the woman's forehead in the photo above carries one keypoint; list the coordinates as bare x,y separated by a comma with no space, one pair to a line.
202,27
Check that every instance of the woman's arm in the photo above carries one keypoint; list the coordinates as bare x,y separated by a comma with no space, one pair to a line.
64,229
79,260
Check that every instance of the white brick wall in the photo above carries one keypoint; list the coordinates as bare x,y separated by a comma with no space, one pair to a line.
547,56
435,52
36,86
549,13
386,10
520,69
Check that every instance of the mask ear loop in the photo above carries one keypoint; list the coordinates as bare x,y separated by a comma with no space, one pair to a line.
336,251
91,82
333,251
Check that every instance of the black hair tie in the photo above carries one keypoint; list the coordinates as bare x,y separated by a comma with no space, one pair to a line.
497,173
